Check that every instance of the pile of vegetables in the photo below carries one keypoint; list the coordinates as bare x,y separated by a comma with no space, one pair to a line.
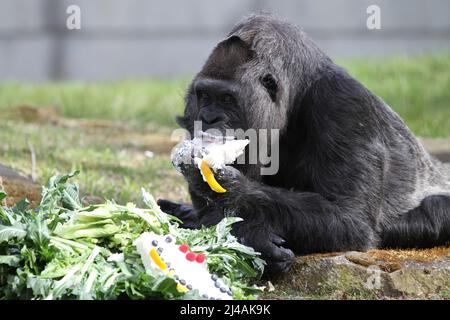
62,250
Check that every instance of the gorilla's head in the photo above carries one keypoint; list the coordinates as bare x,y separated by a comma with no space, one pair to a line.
253,77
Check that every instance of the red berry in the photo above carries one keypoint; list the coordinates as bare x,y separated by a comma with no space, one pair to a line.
191,256
200,257
184,248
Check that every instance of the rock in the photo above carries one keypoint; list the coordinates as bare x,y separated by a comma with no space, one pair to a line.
422,280
19,187
360,258
369,275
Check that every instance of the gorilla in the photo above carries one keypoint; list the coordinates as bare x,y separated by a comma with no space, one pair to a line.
351,174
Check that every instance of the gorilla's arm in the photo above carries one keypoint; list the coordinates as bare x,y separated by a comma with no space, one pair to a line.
307,221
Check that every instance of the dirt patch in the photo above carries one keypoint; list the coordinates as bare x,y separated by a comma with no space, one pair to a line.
115,133
18,187
28,113
419,255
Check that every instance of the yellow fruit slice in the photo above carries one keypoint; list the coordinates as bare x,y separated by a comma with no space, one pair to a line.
157,259
210,179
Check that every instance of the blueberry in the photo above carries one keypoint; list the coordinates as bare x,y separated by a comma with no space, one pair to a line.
214,277
205,296
217,284
160,250
223,289
154,243
183,282
189,287
168,239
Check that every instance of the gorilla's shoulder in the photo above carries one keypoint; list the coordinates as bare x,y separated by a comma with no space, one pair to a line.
336,89
339,105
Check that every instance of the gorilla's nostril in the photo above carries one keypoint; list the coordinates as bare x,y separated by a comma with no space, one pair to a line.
211,117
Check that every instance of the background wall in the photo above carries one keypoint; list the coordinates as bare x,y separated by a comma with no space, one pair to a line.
138,38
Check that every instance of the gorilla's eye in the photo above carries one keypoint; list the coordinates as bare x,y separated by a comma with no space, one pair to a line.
271,86
227,99
203,98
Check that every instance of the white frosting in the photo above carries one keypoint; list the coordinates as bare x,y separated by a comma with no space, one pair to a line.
219,155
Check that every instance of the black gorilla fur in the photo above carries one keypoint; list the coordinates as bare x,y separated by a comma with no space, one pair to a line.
352,176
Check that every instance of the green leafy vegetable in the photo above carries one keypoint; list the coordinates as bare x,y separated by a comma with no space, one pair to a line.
62,250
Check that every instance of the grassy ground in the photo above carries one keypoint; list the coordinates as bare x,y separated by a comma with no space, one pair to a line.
139,114
154,101
417,88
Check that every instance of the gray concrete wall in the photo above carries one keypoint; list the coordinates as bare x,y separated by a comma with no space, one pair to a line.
141,38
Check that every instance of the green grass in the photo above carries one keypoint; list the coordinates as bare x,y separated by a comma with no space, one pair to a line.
112,159
111,166
418,88
154,101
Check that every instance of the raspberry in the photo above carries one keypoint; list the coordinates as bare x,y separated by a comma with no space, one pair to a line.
184,248
200,258
191,256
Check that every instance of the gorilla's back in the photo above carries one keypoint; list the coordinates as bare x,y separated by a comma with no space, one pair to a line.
411,173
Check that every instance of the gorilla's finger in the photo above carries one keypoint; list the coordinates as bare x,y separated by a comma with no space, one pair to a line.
278,253
179,210
276,239
279,260
168,206
270,249
275,269
228,172
228,177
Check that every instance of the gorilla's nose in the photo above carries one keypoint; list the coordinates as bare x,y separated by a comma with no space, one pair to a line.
212,117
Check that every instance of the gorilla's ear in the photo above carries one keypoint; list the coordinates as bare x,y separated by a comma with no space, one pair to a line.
227,57
235,45
232,40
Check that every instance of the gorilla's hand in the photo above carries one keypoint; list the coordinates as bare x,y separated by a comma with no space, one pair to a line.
229,177
183,160
279,259
184,212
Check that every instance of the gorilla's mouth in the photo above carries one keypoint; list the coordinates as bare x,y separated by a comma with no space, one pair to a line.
220,126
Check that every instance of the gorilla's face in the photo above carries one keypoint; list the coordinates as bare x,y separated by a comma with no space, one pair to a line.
236,89
218,104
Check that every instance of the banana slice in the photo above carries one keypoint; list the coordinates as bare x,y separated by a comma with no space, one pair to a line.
208,176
